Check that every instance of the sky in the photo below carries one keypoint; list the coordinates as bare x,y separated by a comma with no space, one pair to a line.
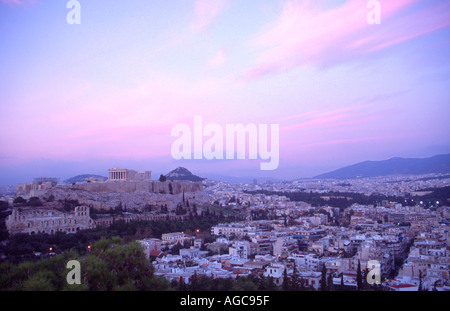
107,92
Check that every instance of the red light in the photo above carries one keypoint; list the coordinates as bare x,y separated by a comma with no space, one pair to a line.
50,249
89,247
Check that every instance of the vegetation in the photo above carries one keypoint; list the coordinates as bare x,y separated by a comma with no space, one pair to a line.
22,247
3,214
343,200
111,265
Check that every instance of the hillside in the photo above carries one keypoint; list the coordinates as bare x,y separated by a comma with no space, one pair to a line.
394,166
183,174
81,178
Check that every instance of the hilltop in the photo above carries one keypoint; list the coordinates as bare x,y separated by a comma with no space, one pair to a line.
394,166
182,173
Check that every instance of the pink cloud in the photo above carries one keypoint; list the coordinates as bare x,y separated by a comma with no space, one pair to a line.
347,141
219,59
345,116
18,2
206,11
304,34
130,122
300,115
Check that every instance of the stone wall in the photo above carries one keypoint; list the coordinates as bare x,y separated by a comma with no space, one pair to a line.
50,221
169,187
42,220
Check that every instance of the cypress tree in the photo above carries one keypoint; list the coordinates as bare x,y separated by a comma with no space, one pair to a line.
330,282
286,286
294,284
420,281
323,282
359,279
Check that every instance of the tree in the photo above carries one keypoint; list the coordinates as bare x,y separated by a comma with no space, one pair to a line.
295,286
194,282
19,201
302,284
359,278
162,178
366,273
286,286
176,248
34,202
267,284
323,281
330,282
113,265
244,284
181,285
420,281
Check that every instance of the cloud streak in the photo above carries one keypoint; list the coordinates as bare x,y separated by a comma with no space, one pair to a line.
15,3
306,35
334,118
206,12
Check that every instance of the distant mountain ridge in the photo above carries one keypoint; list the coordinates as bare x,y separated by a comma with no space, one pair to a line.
394,166
82,178
183,174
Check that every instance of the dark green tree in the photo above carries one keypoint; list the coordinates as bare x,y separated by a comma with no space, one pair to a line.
323,281
359,278
295,285
420,281
286,283
330,282
19,201
34,202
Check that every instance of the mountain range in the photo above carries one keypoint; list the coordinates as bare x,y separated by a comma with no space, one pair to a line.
394,166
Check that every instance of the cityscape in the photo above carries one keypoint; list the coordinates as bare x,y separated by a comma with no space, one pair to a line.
309,235
222,153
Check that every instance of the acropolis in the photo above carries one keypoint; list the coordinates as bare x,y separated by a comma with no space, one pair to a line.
120,174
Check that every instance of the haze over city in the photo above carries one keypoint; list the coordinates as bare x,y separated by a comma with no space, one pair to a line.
107,92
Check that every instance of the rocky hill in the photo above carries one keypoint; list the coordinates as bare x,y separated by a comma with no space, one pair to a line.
182,174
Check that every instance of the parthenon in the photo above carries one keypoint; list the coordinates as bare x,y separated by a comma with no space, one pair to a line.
119,174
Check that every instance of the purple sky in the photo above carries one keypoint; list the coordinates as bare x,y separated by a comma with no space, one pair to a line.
106,93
